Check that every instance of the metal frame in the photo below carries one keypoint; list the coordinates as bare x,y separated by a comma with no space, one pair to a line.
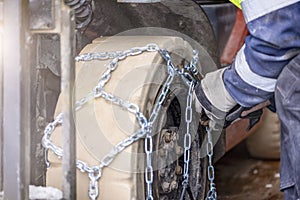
16,100
64,26
20,35
67,83
1,96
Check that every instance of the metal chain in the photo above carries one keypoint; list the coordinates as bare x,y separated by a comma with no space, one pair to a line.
148,140
192,66
190,72
187,139
212,193
149,168
95,172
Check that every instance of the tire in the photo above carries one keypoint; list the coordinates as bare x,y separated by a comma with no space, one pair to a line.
184,16
100,125
124,179
264,143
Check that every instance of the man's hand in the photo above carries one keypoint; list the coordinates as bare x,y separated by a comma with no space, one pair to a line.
212,99
216,106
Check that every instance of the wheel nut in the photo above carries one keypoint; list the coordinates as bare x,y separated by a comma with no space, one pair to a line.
174,185
166,186
168,137
178,170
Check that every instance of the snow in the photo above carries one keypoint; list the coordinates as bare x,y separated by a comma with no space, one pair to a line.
39,192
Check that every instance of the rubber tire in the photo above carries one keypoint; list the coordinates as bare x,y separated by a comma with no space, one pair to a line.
171,14
128,185
264,143
184,16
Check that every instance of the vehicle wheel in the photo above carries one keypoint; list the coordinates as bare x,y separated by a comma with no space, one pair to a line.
264,143
101,125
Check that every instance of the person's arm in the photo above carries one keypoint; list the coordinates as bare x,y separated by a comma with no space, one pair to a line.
273,41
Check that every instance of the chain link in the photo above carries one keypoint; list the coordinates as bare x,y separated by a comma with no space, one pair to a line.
187,139
148,141
149,168
93,186
212,193
95,172
192,66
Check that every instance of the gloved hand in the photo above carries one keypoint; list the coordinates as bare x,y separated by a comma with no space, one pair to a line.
212,99
218,109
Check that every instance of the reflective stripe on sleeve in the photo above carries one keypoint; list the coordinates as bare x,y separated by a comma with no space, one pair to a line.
251,78
253,9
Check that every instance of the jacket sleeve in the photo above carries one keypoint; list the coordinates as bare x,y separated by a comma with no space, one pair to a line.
273,41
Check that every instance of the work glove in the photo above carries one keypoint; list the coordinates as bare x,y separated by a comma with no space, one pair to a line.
212,100
216,106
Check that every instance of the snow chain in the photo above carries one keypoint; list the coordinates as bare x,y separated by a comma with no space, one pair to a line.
95,172
212,192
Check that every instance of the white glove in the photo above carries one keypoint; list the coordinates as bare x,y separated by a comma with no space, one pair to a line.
212,97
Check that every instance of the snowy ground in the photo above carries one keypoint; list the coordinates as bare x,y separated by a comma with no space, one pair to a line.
38,192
